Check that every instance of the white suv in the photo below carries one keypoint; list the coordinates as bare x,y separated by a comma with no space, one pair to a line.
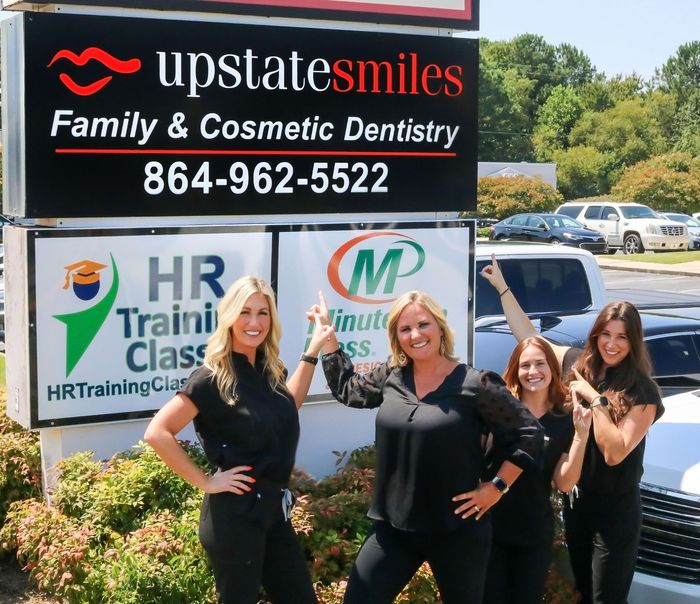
632,227
668,563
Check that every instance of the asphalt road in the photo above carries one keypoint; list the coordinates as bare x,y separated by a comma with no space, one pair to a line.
652,283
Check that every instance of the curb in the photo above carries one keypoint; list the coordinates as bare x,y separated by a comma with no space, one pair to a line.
641,267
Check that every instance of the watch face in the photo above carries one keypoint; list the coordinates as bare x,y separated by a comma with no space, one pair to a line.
603,401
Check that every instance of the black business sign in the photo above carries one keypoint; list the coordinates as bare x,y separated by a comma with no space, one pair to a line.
461,14
148,117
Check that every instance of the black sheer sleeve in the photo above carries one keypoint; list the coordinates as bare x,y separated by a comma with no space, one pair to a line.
520,434
350,388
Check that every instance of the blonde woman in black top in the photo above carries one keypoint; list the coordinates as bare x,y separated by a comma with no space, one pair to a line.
247,420
428,502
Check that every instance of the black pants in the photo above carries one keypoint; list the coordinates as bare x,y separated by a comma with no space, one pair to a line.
390,557
249,544
517,574
602,534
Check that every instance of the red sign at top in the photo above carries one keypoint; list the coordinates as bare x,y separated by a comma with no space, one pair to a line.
459,14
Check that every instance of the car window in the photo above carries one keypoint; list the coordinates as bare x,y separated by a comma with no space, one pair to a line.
674,354
592,212
572,211
607,210
637,212
536,221
519,220
539,284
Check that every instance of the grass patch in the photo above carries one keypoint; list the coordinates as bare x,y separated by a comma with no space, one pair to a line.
663,258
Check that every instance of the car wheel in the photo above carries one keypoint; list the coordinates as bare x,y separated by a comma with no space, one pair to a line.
554,241
501,237
633,244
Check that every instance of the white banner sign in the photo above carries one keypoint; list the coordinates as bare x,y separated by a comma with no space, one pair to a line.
361,273
121,321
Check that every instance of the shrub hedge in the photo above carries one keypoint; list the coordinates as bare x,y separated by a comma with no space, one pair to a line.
125,531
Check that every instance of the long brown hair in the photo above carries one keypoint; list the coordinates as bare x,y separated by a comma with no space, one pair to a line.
556,392
622,384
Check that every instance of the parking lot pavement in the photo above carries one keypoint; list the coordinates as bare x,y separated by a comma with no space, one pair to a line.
688,269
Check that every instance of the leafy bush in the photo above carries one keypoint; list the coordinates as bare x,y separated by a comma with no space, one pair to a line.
20,462
125,532
499,197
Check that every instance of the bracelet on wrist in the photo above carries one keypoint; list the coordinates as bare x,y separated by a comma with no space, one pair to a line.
307,358
504,292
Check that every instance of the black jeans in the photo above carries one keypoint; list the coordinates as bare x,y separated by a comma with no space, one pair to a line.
602,534
390,557
517,574
249,544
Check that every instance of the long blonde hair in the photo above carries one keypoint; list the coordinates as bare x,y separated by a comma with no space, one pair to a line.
220,344
447,343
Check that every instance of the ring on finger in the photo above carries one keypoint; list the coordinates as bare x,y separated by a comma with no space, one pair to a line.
477,508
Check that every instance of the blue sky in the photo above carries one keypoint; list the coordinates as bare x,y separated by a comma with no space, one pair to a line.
619,36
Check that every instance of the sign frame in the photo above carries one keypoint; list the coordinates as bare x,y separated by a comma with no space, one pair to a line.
31,377
79,150
458,14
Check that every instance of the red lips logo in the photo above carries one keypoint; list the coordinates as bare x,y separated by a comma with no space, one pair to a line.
99,55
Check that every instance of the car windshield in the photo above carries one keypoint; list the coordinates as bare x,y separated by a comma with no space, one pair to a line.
539,284
637,212
563,222
685,219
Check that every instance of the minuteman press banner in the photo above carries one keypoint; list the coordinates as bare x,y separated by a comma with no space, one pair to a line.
361,273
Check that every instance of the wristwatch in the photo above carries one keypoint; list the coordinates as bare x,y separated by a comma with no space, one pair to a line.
602,400
500,484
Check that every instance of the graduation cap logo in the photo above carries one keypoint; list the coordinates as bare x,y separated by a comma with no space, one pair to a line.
85,277
82,326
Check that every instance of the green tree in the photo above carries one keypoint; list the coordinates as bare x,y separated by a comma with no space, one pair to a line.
499,197
504,127
582,172
669,182
681,73
628,133
556,118
601,93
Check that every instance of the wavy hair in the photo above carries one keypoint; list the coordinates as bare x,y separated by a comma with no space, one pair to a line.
217,357
447,343
556,392
623,382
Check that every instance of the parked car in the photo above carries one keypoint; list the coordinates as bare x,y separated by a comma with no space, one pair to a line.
668,563
631,227
673,342
693,225
549,228
544,278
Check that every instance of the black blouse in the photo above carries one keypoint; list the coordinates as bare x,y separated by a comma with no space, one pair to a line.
261,430
429,450
524,515
596,475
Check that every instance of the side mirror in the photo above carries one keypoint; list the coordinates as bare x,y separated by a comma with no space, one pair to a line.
613,216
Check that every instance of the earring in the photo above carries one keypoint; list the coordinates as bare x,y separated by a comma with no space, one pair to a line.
401,357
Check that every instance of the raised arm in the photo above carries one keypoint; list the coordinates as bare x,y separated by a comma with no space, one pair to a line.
518,321
323,335
568,470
